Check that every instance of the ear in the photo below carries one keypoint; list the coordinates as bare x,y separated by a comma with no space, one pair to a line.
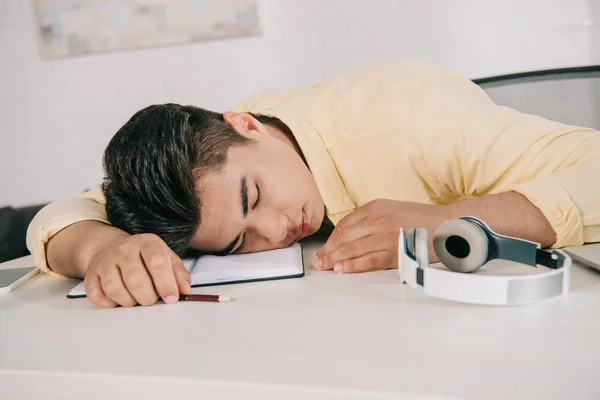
245,124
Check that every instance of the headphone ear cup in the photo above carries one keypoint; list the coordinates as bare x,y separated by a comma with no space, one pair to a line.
461,245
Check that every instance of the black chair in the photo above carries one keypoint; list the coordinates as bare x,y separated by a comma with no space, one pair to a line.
13,230
567,95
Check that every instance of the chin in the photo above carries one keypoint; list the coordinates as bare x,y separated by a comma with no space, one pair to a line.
316,219
314,229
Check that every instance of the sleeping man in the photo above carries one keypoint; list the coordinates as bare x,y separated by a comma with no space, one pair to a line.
382,146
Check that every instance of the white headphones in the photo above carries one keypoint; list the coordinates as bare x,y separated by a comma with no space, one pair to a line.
463,245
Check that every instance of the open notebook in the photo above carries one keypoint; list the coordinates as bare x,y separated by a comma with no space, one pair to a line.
209,270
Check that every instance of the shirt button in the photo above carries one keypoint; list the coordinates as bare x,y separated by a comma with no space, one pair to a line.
346,201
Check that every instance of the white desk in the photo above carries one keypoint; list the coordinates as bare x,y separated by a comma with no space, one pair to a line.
324,336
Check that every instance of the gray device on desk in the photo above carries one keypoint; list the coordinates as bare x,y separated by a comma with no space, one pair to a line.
12,278
588,254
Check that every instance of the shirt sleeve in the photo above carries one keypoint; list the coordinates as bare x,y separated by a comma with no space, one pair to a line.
58,215
470,146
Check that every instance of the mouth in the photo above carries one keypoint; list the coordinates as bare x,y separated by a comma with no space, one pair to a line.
303,226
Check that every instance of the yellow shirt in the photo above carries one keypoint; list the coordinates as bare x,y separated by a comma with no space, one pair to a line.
412,131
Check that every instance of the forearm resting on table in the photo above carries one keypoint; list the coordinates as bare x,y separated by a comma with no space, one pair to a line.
69,251
509,214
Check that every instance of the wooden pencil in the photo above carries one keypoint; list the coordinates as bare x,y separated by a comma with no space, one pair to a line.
204,297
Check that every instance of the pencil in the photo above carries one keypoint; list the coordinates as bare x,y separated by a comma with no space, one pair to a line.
204,297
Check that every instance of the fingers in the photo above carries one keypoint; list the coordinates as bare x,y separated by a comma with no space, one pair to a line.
94,292
137,270
138,281
159,264
114,287
369,262
355,249
182,276
345,233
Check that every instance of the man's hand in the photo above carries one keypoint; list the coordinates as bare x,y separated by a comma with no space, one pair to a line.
367,238
138,269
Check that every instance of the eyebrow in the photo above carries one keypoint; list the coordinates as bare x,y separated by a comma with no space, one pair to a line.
244,200
244,195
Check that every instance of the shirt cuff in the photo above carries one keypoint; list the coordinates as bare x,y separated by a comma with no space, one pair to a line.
42,228
557,206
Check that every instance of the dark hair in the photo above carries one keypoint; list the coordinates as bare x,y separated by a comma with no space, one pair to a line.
151,166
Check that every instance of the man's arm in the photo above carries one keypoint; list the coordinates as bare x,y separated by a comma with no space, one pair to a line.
70,251
509,214
57,216
367,238
524,175
473,147
72,237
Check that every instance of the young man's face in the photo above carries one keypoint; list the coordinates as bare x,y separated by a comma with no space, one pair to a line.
264,198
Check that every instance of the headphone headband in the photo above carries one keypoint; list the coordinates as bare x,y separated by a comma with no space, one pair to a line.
521,250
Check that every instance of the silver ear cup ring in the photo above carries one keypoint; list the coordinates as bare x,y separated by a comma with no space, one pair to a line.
461,245
422,247
410,242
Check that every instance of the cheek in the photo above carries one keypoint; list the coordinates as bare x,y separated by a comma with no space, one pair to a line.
279,170
289,186
285,174
258,244
291,170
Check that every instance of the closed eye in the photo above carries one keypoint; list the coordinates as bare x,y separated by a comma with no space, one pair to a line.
258,197
241,246
256,204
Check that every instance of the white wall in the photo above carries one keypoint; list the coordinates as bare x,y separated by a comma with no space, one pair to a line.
56,116
595,31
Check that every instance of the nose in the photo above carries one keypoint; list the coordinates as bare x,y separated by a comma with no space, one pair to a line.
273,227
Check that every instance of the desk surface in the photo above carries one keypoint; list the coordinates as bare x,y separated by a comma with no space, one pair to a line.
324,336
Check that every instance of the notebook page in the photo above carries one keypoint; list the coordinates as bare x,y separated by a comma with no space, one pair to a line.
240,267
207,277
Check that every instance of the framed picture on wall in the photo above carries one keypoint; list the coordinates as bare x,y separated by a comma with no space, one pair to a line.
76,27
